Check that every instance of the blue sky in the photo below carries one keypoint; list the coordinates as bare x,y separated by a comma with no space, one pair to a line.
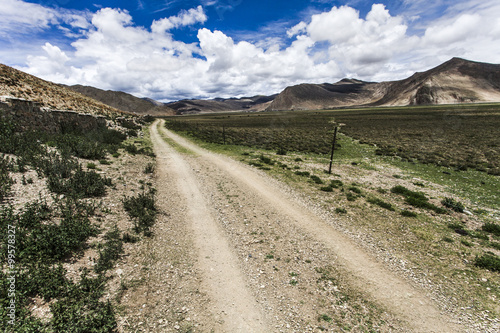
170,49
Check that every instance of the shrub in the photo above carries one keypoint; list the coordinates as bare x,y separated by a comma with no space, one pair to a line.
81,310
491,228
266,160
281,151
128,238
466,243
6,181
326,189
80,184
495,245
381,203
131,149
350,196
336,183
340,210
453,204
316,179
408,213
417,199
355,189
150,168
408,193
302,173
111,251
143,210
488,261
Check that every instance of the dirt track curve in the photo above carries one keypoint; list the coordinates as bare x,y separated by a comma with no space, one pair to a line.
260,255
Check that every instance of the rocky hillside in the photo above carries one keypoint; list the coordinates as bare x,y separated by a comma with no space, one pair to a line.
256,103
124,101
455,81
18,84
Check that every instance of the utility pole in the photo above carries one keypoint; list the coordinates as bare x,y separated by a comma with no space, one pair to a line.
336,126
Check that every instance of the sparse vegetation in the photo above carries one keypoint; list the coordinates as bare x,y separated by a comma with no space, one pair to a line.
488,261
50,233
381,203
304,131
453,204
142,209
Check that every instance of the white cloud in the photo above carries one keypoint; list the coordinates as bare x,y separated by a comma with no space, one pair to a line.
185,18
112,52
17,17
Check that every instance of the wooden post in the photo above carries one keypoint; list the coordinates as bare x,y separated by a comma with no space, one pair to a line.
224,134
333,150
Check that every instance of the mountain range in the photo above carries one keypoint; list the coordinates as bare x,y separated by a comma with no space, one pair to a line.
455,81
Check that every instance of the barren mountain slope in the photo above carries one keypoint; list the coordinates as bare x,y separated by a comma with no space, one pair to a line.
346,92
124,101
455,81
256,103
18,84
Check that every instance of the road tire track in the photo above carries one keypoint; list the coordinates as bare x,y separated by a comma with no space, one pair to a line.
394,293
233,304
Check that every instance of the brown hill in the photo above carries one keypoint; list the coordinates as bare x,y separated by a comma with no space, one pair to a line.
347,92
18,84
455,81
256,103
125,102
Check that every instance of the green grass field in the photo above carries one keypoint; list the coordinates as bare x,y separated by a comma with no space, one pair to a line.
461,136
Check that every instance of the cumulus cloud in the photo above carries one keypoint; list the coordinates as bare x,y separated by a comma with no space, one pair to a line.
17,16
115,53
185,18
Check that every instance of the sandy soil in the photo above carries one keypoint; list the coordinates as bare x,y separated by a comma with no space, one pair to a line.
236,252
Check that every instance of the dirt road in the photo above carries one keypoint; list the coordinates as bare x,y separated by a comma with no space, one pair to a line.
266,262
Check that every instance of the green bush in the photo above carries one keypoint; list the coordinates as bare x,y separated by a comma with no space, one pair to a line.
336,183
6,181
408,193
326,189
131,149
453,204
82,311
303,173
488,261
491,228
316,179
142,210
408,213
340,210
80,146
351,197
355,189
81,183
495,245
381,203
111,251
150,168
266,160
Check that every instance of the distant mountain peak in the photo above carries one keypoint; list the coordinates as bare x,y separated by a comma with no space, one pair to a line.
455,81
